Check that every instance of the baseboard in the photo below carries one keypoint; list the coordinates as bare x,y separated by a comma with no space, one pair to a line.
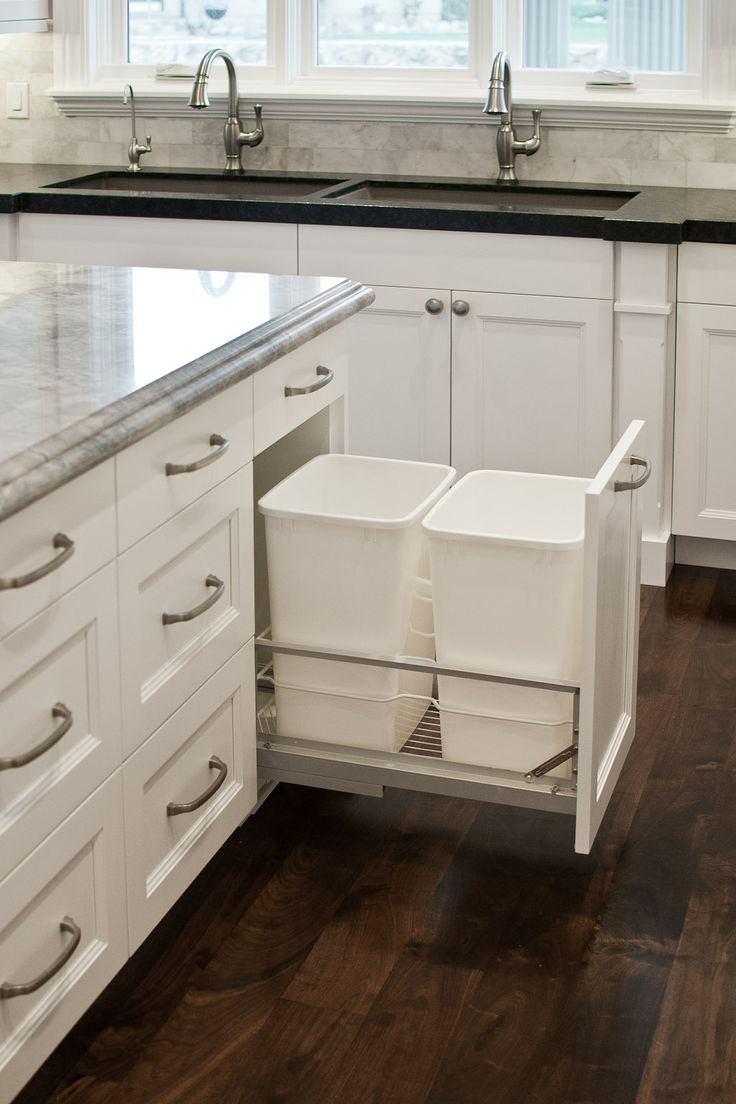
705,552
657,558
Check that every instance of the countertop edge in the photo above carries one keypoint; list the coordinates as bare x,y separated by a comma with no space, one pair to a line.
34,473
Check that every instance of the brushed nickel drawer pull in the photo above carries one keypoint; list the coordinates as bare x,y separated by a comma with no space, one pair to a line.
434,306
327,377
59,710
22,989
220,445
635,484
67,550
210,581
174,808
460,307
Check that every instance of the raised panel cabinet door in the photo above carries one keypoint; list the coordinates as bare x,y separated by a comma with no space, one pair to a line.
610,631
532,383
704,498
400,376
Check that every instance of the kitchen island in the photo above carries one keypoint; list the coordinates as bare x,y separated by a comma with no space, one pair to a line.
134,405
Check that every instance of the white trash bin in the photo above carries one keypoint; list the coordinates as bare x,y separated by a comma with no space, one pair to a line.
345,550
506,551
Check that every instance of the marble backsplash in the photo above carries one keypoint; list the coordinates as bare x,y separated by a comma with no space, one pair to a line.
600,156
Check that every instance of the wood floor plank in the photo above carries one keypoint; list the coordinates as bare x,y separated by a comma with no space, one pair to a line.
358,949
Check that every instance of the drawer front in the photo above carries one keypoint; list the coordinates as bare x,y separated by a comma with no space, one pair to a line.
275,412
178,570
151,486
58,678
82,511
706,273
158,243
187,789
509,263
77,873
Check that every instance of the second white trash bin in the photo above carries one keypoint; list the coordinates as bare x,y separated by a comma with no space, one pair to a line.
344,548
506,551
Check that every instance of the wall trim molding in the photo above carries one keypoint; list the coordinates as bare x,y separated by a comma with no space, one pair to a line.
349,107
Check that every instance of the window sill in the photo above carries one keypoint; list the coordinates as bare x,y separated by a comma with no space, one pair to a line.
639,109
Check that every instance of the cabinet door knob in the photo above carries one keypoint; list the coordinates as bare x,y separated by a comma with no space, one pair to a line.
460,306
434,306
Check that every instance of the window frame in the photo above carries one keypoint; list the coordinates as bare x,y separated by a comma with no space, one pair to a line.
91,36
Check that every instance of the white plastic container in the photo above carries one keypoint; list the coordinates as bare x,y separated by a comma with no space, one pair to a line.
375,723
344,546
506,552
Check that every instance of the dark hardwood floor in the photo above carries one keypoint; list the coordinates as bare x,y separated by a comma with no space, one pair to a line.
423,950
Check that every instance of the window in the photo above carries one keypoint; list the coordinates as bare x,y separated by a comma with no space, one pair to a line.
181,31
427,56
600,34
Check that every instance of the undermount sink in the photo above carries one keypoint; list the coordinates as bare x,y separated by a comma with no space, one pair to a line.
503,197
215,184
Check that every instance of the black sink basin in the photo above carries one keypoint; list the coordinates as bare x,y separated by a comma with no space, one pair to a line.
214,184
516,197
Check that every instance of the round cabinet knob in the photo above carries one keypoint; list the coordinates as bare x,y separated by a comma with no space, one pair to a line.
434,306
460,307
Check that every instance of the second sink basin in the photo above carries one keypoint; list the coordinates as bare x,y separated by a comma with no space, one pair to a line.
214,184
485,195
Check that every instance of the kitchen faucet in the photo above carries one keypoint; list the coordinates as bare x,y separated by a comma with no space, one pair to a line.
135,149
235,139
499,103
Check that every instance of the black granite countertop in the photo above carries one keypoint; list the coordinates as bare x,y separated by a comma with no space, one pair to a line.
664,215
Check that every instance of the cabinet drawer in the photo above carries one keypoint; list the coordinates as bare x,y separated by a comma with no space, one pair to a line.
84,512
199,564
706,273
275,412
79,874
149,492
509,263
205,750
58,674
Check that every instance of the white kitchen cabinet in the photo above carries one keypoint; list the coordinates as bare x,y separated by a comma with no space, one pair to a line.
59,713
62,931
22,16
400,376
158,710
523,380
159,243
531,383
8,237
187,789
705,441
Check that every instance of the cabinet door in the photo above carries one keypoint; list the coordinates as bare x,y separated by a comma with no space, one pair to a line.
400,376
705,443
532,383
610,634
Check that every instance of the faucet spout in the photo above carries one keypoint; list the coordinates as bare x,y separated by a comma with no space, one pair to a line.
499,102
234,136
135,149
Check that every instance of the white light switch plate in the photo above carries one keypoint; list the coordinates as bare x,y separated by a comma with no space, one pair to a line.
16,99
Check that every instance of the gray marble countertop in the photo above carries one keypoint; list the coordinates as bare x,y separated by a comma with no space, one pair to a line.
93,359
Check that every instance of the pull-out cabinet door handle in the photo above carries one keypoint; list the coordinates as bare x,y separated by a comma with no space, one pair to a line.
635,484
